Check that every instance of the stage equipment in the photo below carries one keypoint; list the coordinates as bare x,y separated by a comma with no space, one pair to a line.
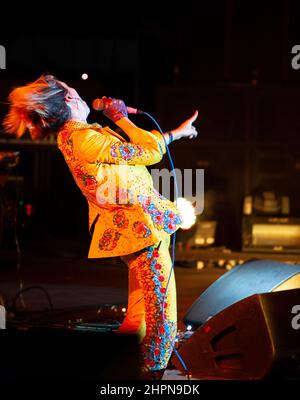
201,235
266,203
254,338
271,234
266,225
250,278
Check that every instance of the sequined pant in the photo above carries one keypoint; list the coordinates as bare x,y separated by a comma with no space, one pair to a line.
148,273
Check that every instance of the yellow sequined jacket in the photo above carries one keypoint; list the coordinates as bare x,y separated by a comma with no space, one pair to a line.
125,210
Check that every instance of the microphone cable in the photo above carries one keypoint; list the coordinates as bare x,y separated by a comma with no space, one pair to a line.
174,235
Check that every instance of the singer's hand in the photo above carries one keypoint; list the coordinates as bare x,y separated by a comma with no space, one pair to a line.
186,129
114,109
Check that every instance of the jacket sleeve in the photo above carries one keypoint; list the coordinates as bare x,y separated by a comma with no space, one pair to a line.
160,138
92,146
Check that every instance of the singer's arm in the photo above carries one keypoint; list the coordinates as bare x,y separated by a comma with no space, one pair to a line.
186,129
138,135
166,136
145,148
115,110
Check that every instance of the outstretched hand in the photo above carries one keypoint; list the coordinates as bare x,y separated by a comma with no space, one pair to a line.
186,129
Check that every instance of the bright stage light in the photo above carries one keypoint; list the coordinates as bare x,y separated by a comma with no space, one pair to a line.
187,211
84,77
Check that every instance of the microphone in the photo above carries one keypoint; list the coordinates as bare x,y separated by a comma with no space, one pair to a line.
98,105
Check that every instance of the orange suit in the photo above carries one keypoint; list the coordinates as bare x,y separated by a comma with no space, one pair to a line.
130,219
99,157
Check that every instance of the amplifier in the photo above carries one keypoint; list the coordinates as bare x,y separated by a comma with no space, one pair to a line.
271,234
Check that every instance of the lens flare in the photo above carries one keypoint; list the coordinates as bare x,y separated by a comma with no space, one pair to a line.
187,212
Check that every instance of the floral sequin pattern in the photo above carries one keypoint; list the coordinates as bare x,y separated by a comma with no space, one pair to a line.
161,327
120,220
89,180
109,239
124,197
156,192
126,151
167,220
66,145
94,160
140,229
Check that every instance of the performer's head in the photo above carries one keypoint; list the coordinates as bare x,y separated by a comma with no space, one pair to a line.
42,107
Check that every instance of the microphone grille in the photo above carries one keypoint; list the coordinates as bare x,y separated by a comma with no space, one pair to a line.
98,105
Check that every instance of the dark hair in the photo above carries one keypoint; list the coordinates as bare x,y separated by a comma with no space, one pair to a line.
39,106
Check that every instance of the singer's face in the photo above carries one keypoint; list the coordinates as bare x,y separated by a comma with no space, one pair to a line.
76,103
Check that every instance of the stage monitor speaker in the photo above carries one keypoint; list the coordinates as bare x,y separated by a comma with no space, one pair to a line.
255,338
68,354
253,277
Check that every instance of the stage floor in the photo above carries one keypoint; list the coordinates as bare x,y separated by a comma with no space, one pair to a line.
75,282
78,282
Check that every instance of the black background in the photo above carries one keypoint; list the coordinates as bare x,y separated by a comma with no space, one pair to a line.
229,59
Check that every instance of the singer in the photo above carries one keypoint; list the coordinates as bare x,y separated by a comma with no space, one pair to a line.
137,222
